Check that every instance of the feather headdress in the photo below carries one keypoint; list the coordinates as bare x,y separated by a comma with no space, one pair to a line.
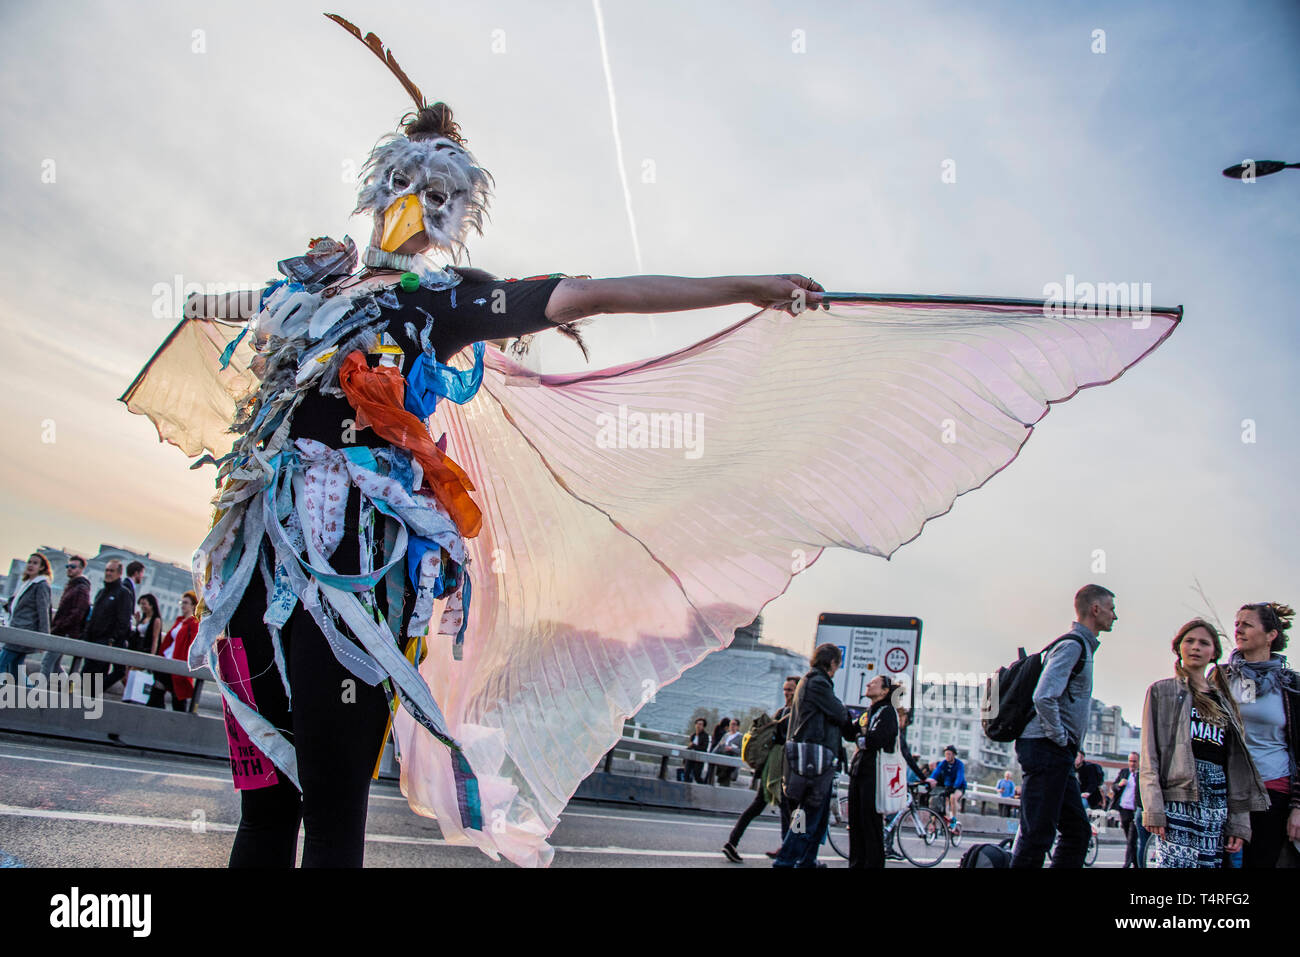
428,160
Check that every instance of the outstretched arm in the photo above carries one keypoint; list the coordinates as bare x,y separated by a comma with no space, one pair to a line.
579,298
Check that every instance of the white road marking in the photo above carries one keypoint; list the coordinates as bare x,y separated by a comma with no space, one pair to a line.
117,767
89,817
758,824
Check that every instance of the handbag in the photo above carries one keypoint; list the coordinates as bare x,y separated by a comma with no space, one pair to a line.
808,768
137,687
891,781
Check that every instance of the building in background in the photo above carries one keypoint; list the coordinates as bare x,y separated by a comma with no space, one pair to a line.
1105,728
737,682
948,713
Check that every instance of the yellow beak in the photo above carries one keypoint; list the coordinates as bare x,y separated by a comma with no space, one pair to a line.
402,220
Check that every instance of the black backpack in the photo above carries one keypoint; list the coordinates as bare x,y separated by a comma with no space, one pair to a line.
1008,704
985,855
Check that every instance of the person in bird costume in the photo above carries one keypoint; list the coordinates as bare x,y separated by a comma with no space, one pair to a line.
414,533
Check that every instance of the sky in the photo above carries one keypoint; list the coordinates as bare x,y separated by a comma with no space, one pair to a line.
149,143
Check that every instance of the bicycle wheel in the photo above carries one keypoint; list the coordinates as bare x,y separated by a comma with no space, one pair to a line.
837,831
922,837
1150,856
1091,857
955,834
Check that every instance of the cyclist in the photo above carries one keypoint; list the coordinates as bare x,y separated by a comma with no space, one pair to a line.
949,775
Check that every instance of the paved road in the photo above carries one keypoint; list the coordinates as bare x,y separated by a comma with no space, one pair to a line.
72,804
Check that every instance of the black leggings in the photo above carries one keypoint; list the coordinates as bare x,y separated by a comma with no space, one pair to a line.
336,726
1268,841
866,825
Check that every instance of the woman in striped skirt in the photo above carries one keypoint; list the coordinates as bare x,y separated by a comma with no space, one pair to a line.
1197,780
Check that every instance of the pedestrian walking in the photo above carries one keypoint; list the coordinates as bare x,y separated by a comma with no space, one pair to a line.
1267,694
74,607
134,580
767,781
699,742
875,732
1126,796
1050,801
1091,777
29,609
143,636
176,646
817,720
1199,785
729,744
1007,789
110,618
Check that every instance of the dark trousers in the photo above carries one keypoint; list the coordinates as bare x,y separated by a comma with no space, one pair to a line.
755,808
88,666
337,738
1268,835
162,686
800,846
1129,826
694,772
1050,801
866,827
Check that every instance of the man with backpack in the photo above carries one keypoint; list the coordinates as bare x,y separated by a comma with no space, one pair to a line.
1050,799
765,742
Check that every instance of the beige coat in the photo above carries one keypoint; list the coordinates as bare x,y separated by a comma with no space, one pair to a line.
1168,770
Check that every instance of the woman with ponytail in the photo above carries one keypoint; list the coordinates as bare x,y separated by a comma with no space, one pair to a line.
1197,781
1267,693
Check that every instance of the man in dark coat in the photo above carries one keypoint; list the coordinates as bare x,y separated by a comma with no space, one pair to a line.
1091,777
110,617
817,717
74,607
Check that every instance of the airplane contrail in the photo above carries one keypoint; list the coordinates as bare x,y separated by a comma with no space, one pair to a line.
618,141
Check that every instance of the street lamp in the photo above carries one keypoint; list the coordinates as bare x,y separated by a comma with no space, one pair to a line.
1251,169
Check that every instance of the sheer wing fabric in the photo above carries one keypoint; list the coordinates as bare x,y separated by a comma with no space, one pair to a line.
636,516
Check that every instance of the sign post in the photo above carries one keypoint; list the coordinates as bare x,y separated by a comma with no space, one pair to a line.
871,645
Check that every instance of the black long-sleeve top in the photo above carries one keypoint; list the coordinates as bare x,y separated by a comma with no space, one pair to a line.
473,311
880,734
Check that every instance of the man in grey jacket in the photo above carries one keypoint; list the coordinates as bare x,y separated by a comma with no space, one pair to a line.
1050,799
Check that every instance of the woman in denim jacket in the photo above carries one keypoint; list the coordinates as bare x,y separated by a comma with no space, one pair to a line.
1197,781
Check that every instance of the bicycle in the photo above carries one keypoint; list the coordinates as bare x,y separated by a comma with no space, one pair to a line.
1089,856
939,806
914,834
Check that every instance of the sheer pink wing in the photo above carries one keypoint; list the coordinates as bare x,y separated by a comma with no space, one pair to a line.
636,516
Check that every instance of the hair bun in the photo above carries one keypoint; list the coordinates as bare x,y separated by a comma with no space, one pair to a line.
430,122
1285,614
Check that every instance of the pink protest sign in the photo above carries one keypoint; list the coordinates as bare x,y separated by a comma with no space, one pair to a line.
248,765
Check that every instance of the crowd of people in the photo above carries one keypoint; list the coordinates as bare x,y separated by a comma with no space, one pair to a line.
1215,782
115,617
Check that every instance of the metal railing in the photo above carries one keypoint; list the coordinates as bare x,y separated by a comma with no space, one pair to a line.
97,652
93,651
